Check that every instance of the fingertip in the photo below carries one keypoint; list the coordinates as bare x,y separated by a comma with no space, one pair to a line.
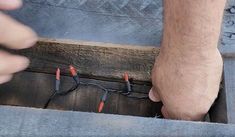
16,35
10,4
23,63
10,64
18,63
5,78
26,40
153,95
30,41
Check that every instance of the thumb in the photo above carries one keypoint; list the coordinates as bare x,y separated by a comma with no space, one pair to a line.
153,95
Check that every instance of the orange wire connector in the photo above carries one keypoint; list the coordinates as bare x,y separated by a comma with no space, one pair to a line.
57,82
74,73
72,70
103,99
128,85
58,74
126,77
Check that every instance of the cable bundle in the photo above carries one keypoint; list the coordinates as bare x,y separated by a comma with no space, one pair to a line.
77,83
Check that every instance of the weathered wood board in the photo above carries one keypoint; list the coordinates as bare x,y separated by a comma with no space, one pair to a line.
93,59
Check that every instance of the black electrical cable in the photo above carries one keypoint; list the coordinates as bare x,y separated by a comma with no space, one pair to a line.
59,93
117,91
50,98
76,86
68,91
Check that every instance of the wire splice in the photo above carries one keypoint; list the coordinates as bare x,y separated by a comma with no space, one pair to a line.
103,99
101,106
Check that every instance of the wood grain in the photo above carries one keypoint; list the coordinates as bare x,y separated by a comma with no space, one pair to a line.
99,60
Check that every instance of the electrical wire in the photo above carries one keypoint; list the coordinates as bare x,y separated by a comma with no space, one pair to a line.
75,87
49,100
78,83
117,91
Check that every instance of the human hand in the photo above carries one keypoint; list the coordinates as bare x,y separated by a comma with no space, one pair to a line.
13,35
187,87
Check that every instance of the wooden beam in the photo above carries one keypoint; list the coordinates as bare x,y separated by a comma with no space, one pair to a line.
93,59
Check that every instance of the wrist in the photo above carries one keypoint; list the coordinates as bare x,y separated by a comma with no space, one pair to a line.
188,54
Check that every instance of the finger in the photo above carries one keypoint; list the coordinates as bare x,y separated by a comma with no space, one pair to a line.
12,63
10,4
165,113
153,95
15,35
5,78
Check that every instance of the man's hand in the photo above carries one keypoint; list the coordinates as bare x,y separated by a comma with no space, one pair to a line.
13,35
187,72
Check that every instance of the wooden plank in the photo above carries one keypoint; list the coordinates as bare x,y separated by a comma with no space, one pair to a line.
28,122
33,89
103,60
